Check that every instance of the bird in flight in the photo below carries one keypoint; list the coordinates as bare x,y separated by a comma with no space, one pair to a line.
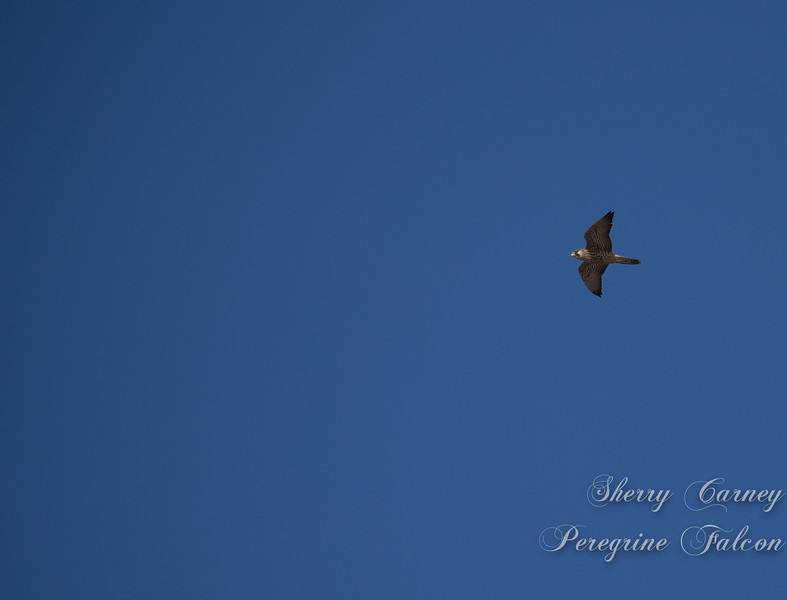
597,256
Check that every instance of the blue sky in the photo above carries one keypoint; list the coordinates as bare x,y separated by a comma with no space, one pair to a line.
289,310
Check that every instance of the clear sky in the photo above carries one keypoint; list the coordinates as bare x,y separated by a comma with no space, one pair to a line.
289,310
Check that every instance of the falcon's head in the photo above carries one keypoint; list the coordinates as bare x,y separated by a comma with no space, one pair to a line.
575,253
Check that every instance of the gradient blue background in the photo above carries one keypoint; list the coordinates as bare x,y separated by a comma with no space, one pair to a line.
289,312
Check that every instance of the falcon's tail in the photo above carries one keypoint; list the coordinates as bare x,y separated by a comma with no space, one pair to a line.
627,261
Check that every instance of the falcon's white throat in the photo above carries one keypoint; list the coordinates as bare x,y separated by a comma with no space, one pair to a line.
581,254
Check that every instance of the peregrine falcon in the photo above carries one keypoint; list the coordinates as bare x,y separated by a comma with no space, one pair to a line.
598,254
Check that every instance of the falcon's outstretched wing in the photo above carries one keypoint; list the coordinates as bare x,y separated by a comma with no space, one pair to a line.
597,237
591,274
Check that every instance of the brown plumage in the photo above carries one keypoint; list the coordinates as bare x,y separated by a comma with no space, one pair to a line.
598,255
